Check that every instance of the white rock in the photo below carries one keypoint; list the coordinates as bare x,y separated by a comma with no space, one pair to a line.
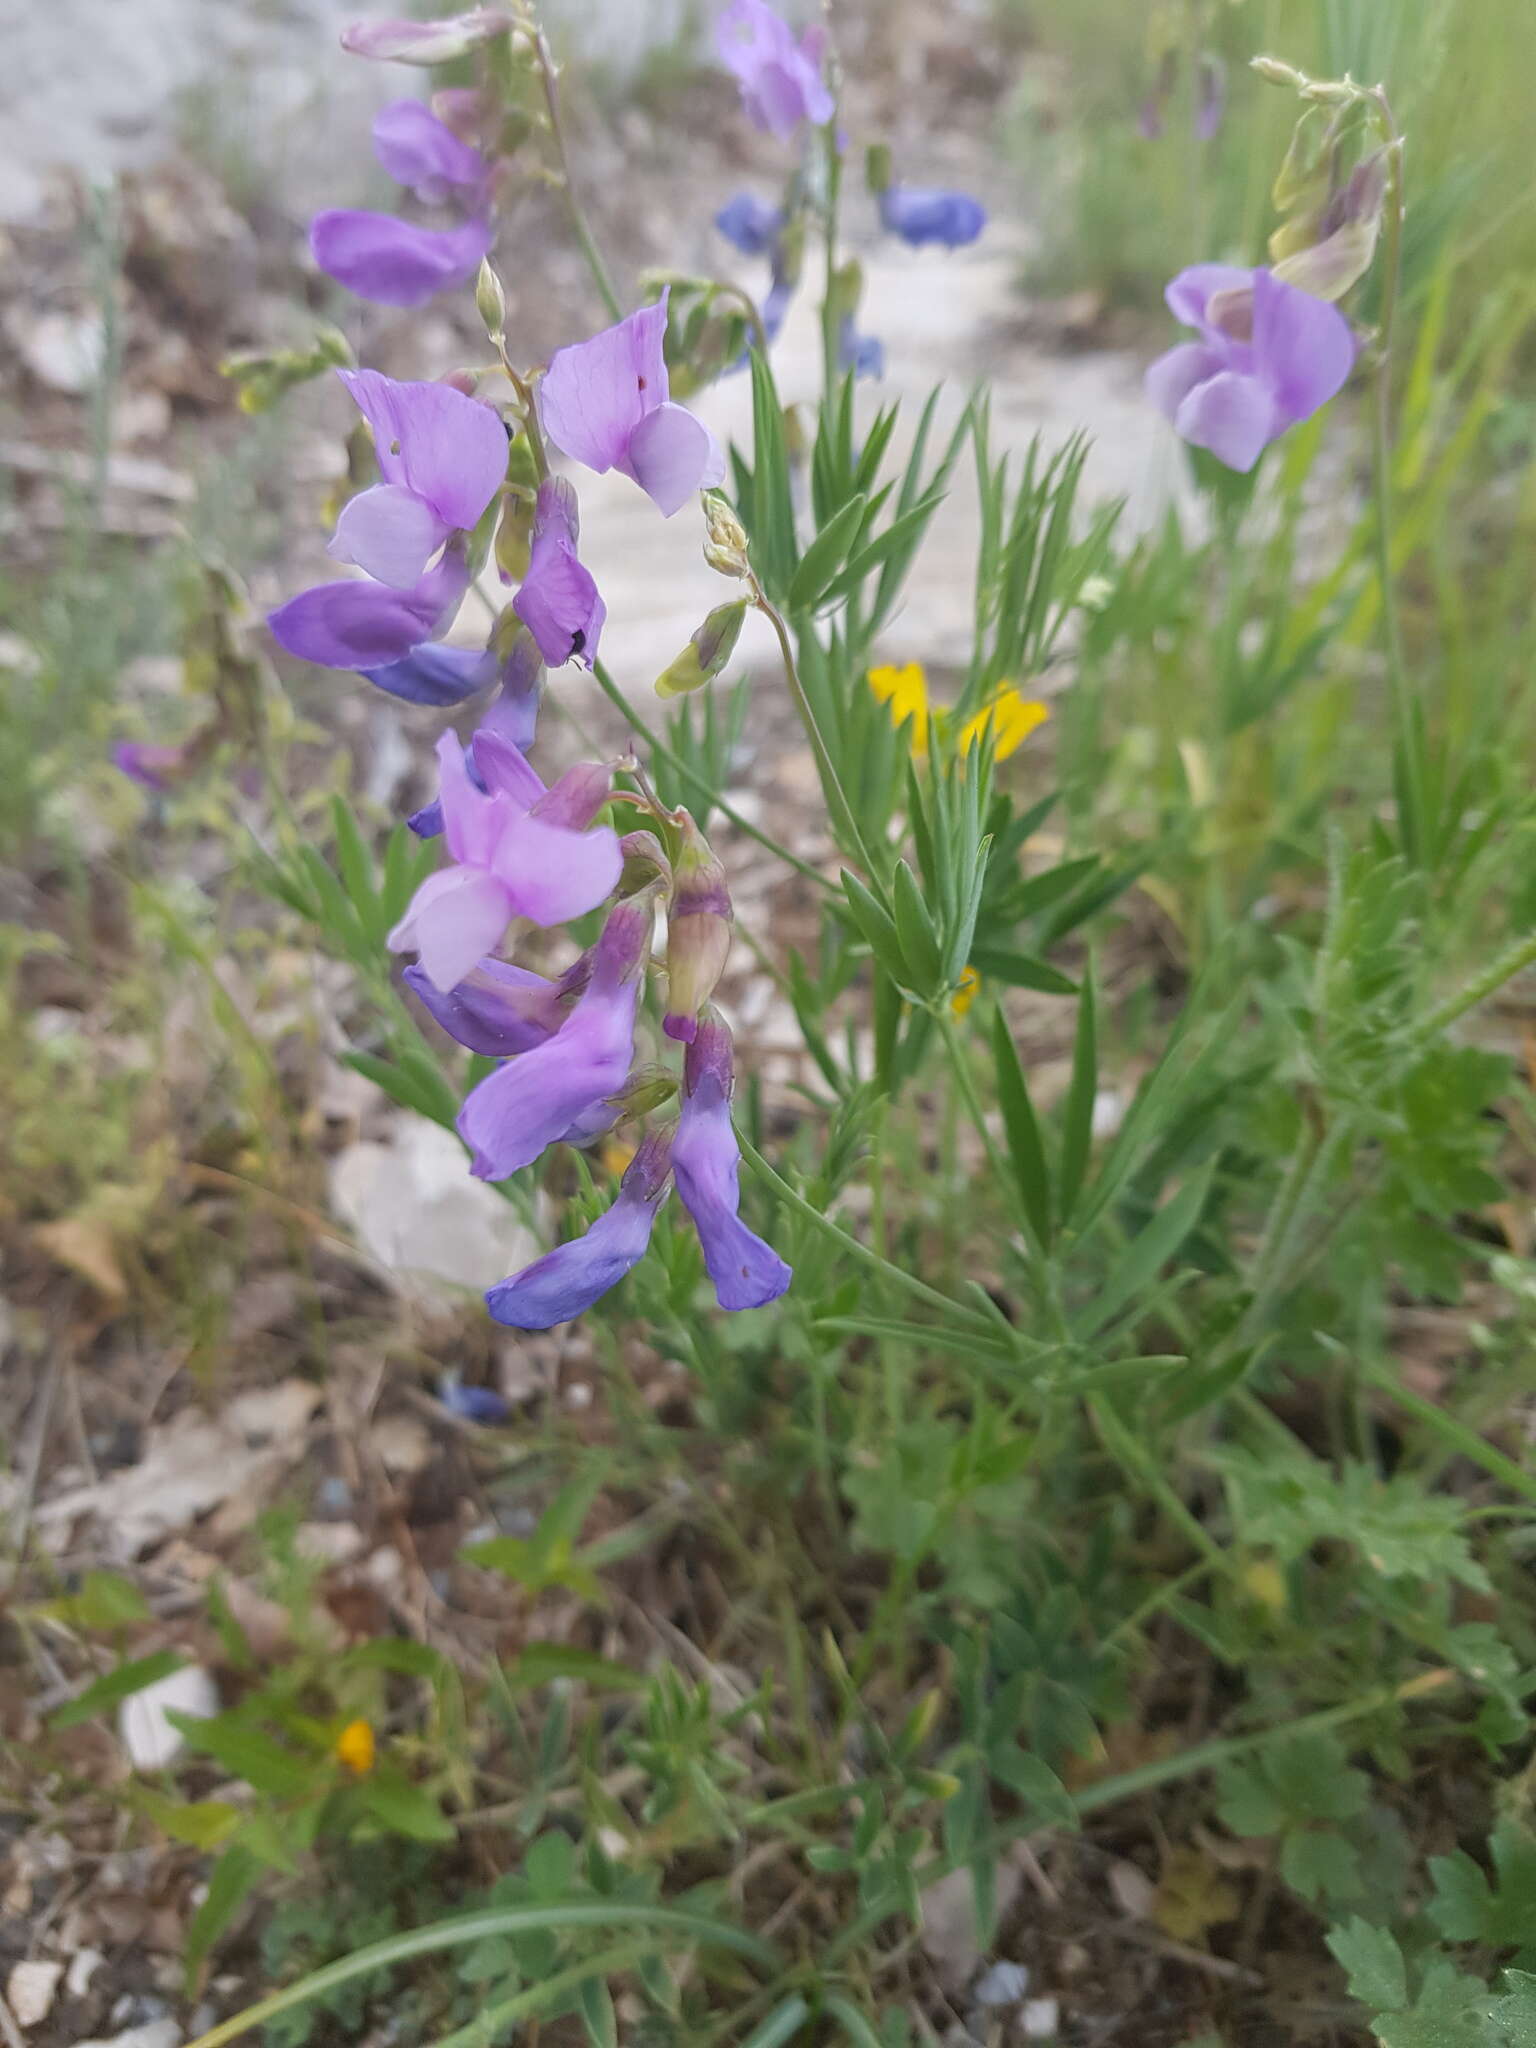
153,2034
149,1738
65,351
1042,2019
83,1965
29,1991
1003,1984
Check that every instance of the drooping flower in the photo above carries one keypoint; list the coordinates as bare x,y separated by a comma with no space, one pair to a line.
567,1281
779,75
441,457
518,850
606,403
396,262
425,42
751,224
424,154
500,1010
706,1161
1269,356
563,1086
699,922
922,216
512,714
558,601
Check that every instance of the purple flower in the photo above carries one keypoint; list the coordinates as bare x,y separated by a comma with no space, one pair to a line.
394,262
1269,356
500,1010
921,216
155,768
512,714
420,151
372,628
558,601
566,1282
750,224
606,403
1213,98
472,1404
864,354
706,1161
442,458
518,849
425,42
557,1090
780,78
435,673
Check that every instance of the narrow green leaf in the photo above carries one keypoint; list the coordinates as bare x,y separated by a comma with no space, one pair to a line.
406,1089
233,1876
899,538
1021,970
598,2015
1022,1128
356,865
115,1686
538,1663
874,921
404,1808
1077,1120
825,555
1148,1253
781,2025
915,931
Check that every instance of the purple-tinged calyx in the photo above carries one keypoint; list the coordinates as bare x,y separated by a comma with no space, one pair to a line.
698,932
558,601
425,42
922,216
562,1086
706,1161
514,854
780,74
607,403
567,1281
1269,356
500,1010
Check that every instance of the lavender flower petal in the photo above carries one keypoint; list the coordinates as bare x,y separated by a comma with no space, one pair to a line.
389,532
671,456
1232,415
393,262
456,917
496,1009
419,151
446,449
568,1280
1302,346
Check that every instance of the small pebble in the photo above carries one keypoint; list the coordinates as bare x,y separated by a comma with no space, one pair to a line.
29,1991
1042,2019
1003,1984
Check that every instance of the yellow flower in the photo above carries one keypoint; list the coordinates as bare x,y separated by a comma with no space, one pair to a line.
354,1747
965,994
1009,717
905,692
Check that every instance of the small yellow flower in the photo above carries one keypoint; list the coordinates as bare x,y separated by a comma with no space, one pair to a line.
966,993
354,1747
1009,717
905,692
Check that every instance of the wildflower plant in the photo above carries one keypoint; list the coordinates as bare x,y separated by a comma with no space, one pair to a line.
1031,1349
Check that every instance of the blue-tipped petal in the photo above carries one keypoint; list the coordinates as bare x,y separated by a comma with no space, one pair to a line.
435,674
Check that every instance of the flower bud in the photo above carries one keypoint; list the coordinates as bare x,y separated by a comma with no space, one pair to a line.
645,862
698,933
707,652
725,542
646,1090
1277,73
490,300
426,42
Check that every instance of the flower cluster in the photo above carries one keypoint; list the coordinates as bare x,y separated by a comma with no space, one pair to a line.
462,478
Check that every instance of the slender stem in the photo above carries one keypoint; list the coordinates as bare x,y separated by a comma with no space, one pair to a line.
1454,1433
830,318
844,822
1512,961
658,745
909,1282
589,249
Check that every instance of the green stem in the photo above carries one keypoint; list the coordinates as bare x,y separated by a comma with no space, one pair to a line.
491,2024
830,316
908,1282
573,206
1512,961
1454,1433
845,824
658,745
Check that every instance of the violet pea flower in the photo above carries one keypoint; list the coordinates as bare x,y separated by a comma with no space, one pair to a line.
442,458
750,224
152,767
512,714
779,75
921,216
425,42
394,262
706,1161
518,850
383,633
558,601
561,1088
498,1009
606,403
422,152
1269,356
567,1281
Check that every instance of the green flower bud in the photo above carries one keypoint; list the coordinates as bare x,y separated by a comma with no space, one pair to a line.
725,541
490,300
706,653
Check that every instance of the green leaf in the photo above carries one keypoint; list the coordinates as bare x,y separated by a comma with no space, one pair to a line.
404,1808
115,1686
245,1752
540,1663
916,933
1451,2011
1077,1118
1146,1255
228,1887
1318,1863
1502,1914
1022,1128
200,1823
428,1095
875,923
1373,1963
598,2015
104,1601
1021,970
1515,2014
1247,1803
824,557
1033,1782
